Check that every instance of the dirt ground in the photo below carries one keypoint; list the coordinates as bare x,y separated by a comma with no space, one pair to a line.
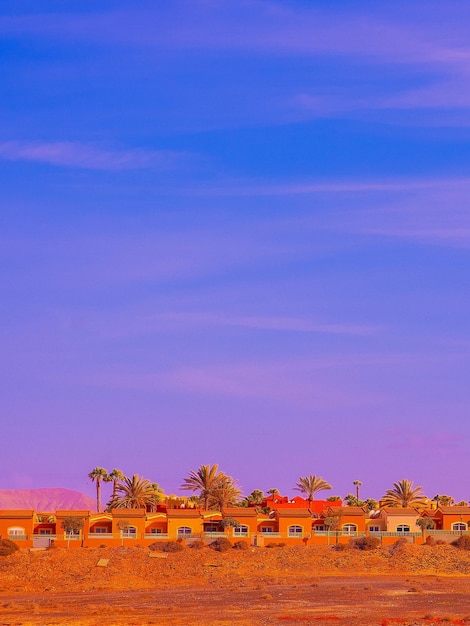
413,585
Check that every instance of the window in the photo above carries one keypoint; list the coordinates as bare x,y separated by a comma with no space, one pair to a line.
16,530
156,531
319,528
295,530
100,529
459,526
403,528
45,531
374,529
240,530
349,529
130,532
267,529
184,530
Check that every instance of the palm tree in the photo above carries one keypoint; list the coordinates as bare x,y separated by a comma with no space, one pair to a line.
273,491
204,481
226,493
444,500
135,493
310,485
256,497
115,476
357,484
97,475
404,495
158,491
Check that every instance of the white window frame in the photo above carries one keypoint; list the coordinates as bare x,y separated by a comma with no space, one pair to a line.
349,529
403,528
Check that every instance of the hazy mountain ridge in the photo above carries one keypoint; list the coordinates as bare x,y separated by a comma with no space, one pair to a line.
45,500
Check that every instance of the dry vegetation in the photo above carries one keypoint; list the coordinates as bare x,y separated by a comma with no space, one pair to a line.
292,585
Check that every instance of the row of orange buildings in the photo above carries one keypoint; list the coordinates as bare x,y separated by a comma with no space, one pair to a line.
292,522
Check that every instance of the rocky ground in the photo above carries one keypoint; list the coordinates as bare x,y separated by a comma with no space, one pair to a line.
290,585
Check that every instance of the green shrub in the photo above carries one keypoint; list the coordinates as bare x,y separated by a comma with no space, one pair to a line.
462,542
166,546
221,545
7,547
365,543
241,545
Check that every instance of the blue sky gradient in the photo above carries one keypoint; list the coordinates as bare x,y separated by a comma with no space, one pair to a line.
235,233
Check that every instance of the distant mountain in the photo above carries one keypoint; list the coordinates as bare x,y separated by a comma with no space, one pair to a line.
45,500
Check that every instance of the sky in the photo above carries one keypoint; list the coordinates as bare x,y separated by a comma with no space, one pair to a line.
235,232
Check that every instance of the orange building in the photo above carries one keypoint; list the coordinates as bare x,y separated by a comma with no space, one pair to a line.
17,525
456,518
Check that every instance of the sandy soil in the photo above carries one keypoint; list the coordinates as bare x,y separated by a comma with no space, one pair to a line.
415,585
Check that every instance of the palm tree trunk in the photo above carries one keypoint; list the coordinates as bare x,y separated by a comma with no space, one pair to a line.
98,496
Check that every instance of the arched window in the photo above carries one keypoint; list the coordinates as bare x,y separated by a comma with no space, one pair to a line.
240,530
295,531
459,526
129,532
184,530
403,528
349,529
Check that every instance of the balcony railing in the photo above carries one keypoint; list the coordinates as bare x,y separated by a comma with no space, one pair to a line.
453,533
384,533
339,533
100,535
40,536
18,537
157,535
214,534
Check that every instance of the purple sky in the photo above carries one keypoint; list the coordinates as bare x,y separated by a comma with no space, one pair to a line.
235,233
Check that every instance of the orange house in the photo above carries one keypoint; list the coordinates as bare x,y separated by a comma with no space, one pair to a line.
294,525
351,520
248,519
186,523
396,520
18,526
456,518
72,538
128,525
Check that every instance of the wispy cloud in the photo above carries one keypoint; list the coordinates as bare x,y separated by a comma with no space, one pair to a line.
299,383
287,324
267,27
252,188
86,156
